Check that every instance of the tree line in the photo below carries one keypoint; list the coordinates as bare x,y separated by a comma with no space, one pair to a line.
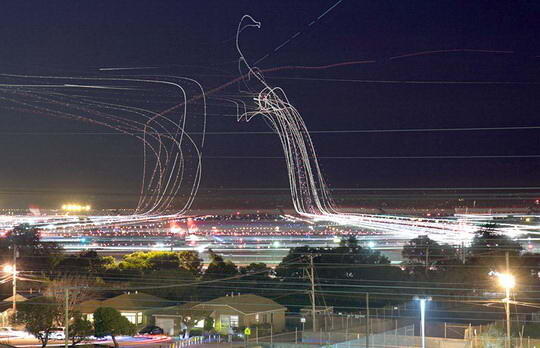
343,274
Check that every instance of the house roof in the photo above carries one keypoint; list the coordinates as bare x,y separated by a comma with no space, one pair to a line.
186,309
89,306
18,298
246,304
7,303
137,301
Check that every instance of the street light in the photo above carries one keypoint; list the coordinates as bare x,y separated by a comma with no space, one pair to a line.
423,317
12,269
508,282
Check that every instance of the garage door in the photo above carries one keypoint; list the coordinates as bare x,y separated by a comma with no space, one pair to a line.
167,324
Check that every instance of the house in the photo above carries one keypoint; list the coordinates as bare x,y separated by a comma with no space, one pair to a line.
173,319
227,312
244,311
137,307
6,309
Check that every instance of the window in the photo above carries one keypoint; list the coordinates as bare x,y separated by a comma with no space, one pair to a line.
271,318
234,320
225,320
139,318
229,320
131,317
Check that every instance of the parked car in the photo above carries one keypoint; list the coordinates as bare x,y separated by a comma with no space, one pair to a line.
10,332
151,330
56,333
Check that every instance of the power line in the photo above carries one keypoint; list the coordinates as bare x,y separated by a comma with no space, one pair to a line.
327,131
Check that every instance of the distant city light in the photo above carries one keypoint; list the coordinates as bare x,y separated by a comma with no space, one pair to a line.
76,207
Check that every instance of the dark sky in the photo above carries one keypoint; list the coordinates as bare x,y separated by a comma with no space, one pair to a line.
46,161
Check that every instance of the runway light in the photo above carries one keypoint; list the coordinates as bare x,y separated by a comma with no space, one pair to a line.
76,207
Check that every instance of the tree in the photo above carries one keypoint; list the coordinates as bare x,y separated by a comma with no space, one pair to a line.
167,277
209,324
256,271
34,254
79,329
190,261
488,252
254,268
422,249
190,318
163,260
88,262
219,268
329,263
109,322
422,252
336,270
39,315
151,260
80,290
488,240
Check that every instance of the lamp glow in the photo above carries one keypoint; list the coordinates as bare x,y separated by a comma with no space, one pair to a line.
506,280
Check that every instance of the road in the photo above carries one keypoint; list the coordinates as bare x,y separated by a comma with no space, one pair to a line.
149,342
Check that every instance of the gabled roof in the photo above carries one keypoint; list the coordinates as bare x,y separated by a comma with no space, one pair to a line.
18,298
246,304
7,303
136,301
89,306
186,309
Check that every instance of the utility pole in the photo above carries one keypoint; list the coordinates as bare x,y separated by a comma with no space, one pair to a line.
427,259
14,305
66,319
312,277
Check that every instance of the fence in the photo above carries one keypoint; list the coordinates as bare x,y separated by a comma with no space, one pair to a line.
400,337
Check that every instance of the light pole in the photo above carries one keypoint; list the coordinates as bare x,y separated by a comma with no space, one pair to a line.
507,281
423,318
12,269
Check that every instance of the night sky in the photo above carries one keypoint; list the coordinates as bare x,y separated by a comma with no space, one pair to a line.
485,75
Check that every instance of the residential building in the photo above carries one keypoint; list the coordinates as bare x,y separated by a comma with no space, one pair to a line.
228,312
137,307
6,309
238,311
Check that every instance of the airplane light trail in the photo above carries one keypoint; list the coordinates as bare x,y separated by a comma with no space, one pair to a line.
310,195
173,139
